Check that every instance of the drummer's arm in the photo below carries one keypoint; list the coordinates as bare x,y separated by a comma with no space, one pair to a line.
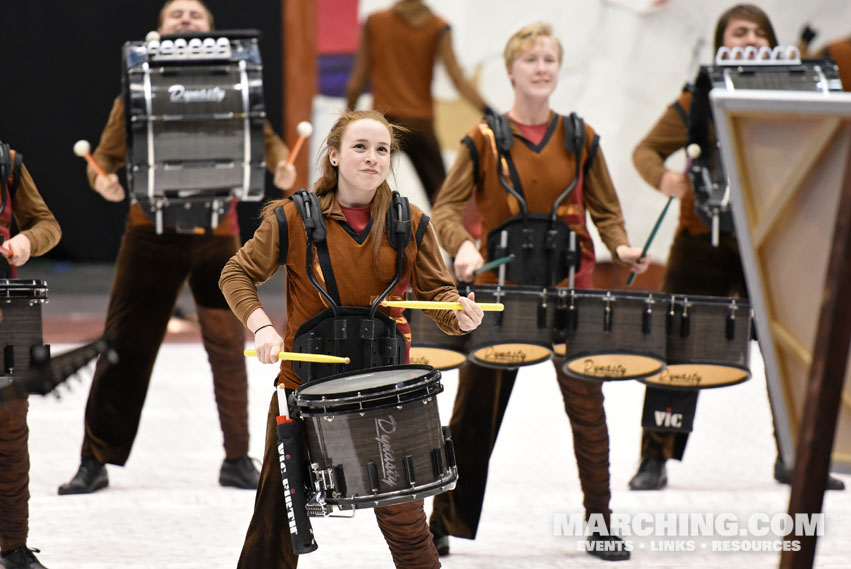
448,211
431,281
252,265
668,135
604,207
37,224
111,151
276,159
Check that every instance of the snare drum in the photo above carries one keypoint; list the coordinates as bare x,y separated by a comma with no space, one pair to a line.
430,346
374,436
519,336
20,322
708,343
610,335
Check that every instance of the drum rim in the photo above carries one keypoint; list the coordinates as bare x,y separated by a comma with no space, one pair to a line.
656,296
432,375
708,300
442,484
507,288
19,288
748,376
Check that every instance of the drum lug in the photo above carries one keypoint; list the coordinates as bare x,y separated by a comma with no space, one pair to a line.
608,313
324,479
730,329
685,323
410,473
449,447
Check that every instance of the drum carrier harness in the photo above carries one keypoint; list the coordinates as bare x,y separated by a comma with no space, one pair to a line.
542,245
369,337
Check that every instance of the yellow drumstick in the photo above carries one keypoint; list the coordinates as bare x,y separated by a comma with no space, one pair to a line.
299,357
435,305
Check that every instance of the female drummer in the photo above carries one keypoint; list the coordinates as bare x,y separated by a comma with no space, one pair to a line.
538,160
354,198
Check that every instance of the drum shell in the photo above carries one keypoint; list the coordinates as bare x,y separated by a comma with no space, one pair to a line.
631,345
521,335
348,430
700,355
201,125
20,321
431,346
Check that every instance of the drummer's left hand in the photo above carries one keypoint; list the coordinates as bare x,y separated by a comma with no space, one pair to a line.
285,175
20,247
632,257
471,316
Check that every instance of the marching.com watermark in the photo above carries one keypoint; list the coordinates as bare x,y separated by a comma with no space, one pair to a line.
691,531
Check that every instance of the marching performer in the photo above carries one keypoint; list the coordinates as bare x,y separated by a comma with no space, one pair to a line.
694,265
38,234
355,261
150,270
530,154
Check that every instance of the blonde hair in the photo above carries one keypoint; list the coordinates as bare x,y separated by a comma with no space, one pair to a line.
326,185
524,39
170,2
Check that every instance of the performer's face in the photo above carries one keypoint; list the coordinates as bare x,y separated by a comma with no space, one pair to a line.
363,161
744,33
534,72
184,16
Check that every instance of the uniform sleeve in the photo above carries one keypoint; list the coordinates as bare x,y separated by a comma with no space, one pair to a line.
33,217
431,281
668,135
603,204
275,148
111,152
448,211
251,266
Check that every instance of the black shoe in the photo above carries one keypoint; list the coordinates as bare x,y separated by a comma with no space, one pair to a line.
239,473
91,477
21,558
607,547
784,476
441,540
651,475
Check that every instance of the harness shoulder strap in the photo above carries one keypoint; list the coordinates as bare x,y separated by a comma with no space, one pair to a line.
474,156
307,204
399,222
682,112
283,235
592,152
421,229
16,173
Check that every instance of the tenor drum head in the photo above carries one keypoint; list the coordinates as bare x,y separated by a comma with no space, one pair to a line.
698,376
510,355
439,358
613,367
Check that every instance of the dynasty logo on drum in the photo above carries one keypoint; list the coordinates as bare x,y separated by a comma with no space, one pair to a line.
383,429
178,93
593,369
493,355
692,379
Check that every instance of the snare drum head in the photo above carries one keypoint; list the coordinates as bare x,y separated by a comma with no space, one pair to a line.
699,376
439,358
365,383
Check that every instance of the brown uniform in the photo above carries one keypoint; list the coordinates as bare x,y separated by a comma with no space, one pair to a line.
398,50
694,265
267,543
150,271
840,52
545,170
39,225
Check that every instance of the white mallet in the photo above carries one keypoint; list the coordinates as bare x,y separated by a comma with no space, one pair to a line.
152,36
693,150
304,130
83,149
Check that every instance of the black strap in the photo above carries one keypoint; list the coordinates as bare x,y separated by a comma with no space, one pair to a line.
421,230
592,152
574,134
474,156
701,113
5,166
283,235
307,204
327,270
682,112
16,174
399,228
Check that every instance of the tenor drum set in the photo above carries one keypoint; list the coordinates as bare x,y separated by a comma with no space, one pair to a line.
683,342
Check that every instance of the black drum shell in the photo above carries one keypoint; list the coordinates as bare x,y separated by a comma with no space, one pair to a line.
21,303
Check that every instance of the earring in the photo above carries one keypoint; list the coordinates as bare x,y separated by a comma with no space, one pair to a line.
333,162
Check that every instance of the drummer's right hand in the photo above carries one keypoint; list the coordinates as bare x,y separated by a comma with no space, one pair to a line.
467,260
268,344
109,188
673,184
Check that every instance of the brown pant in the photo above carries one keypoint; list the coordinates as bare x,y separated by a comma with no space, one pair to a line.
476,418
267,542
14,475
149,273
